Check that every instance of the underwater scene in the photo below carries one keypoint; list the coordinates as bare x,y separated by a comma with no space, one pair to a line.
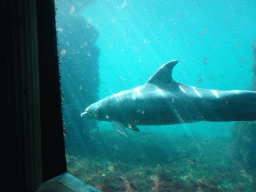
159,95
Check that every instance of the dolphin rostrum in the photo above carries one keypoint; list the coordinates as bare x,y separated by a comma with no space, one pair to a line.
163,101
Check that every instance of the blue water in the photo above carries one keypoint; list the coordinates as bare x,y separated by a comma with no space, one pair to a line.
212,39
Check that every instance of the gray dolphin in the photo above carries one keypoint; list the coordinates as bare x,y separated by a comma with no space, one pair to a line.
163,101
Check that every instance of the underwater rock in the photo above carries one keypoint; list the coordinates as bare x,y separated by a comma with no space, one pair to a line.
78,55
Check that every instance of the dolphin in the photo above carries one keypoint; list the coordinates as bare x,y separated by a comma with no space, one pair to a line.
163,101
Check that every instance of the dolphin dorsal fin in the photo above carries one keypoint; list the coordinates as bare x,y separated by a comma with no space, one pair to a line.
163,76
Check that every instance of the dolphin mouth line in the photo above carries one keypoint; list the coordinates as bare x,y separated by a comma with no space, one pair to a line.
90,114
84,114
87,113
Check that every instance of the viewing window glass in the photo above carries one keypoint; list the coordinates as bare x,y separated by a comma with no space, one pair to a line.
187,129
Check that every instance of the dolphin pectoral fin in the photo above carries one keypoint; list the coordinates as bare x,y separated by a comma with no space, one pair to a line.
119,127
133,127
